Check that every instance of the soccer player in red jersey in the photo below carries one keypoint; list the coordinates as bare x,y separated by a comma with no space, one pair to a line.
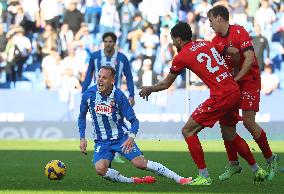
204,59
248,78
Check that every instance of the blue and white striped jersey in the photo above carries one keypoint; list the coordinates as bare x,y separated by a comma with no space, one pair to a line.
108,113
118,61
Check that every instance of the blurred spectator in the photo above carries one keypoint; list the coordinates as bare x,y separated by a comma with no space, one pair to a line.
10,56
191,20
93,14
253,6
269,81
136,64
50,11
109,21
3,43
264,17
146,77
169,20
151,12
85,39
165,51
20,18
201,14
16,53
31,10
73,17
136,32
71,61
82,56
24,45
2,9
149,43
3,39
47,40
66,37
261,45
69,86
12,10
184,7
52,70
126,13
225,3
238,13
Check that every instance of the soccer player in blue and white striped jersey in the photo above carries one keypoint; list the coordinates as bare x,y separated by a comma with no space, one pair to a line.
108,107
109,56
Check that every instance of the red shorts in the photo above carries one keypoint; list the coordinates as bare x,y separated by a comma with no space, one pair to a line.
225,110
250,94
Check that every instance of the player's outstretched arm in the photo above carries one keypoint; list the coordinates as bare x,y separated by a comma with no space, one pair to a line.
131,101
83,145
161,85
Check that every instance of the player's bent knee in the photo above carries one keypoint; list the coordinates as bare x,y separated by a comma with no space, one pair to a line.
101,169
139,163
187,132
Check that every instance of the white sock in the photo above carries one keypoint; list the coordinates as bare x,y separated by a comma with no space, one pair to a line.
114,175
162,170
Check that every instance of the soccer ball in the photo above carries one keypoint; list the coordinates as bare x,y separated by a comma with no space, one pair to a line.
55,170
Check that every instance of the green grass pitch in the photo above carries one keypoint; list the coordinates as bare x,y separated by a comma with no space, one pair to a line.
22,169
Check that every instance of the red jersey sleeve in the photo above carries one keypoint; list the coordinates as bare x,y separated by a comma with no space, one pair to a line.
177,65
245,40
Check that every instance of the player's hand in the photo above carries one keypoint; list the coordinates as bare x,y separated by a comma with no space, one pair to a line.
83,145
131,101
127,146
145,92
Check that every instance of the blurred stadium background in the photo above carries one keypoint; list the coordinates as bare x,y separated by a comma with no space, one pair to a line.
37,101
42,40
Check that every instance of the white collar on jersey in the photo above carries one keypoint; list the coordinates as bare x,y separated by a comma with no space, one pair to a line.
111,95
113,56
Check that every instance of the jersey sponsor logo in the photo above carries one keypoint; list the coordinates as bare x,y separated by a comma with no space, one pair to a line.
103,109
245,44
230,43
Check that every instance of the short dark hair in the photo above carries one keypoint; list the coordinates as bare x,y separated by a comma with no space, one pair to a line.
111,34
109,68
182,30
219,10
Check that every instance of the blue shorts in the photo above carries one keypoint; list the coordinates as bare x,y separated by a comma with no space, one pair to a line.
107,149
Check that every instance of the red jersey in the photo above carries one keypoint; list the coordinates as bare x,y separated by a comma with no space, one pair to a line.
239,38
204,59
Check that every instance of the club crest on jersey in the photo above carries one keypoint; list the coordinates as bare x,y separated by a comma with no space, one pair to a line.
103,109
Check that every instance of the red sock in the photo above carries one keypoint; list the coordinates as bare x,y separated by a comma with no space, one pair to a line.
196,151
232,152
264,145
243,149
